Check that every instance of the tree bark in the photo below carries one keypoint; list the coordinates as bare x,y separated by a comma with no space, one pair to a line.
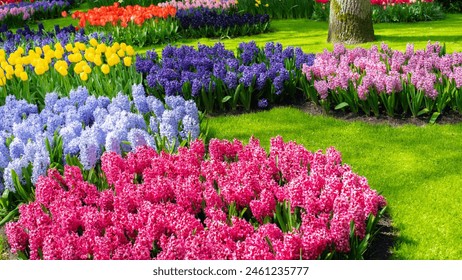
350,22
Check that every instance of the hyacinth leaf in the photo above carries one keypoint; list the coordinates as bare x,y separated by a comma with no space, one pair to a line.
18,186
423,111
73,161
226,99
10,216
341,106
242,212
268,241
434,117
22,256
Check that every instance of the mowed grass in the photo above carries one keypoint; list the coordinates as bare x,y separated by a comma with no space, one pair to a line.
417,169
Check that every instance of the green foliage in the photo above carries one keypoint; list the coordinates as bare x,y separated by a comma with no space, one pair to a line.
451,6
225,33
419,11
151,32
320,11
278,9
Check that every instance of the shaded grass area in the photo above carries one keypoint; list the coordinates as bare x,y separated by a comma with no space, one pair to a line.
417,169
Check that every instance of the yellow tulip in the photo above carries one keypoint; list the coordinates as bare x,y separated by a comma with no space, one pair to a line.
24,77
69,47
26,60
20,51
93,42
101,48
46,48
113,60
63,72
18,71
58,46
38,50
123,46
78,68
127,61
130,51
87,69
4,64
89,54
39,69
121,53
2,53
75,57
2,81
12,59
97,60
105,69
60,64
19,66
116,46
9,70
59,54
80,46
83,76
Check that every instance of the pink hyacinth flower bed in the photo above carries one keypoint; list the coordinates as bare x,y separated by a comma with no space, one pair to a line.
228,203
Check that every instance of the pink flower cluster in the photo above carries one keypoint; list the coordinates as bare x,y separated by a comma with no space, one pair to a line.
164,206
383,70
191,4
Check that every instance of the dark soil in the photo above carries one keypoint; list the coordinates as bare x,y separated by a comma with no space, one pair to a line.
383,243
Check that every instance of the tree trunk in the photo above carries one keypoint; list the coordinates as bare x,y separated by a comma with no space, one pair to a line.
350,22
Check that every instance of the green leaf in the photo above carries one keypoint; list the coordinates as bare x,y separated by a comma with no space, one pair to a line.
341,106
423,111
226,99
10,216
434,117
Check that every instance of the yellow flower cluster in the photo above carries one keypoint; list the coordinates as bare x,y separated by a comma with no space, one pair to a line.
81,57
258,4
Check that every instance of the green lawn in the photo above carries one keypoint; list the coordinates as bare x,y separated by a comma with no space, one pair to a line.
417,169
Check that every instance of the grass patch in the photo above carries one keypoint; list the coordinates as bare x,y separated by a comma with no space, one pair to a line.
417,169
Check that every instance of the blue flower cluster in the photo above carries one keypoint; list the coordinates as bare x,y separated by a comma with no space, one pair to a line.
88,126
190,72
203,17
28,38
